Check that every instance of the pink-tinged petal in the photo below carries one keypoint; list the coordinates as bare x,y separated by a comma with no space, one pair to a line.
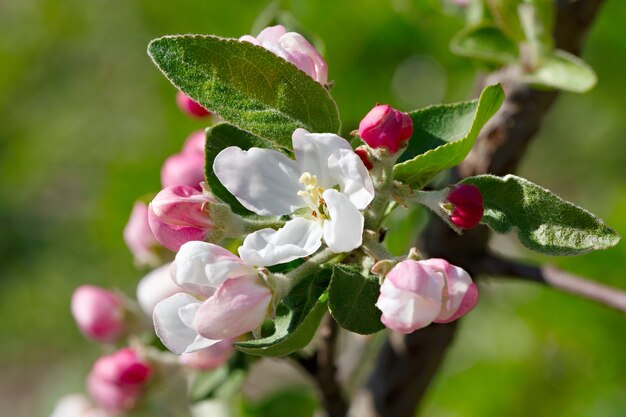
202,267
350,173
302,61
298,238
208,358
271,34
293,41
110,396
168,325
344,230
410,297
173,237
139,238
312,152
182,205
155,287
239,306
186,168
263,180
251,39
469,301
99,313
195,143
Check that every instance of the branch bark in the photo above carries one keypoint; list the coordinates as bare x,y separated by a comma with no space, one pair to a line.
325,372
401,377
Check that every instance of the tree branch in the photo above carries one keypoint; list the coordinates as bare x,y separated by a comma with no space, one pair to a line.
555,278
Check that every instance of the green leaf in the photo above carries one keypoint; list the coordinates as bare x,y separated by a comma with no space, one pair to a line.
297,319
352,298
485,42
443,135
246,85
222,136
505,12
563,71
543,222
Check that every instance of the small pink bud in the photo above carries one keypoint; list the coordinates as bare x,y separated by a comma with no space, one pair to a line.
139,238
116,381
417,293
292,47
195,143
155,287
179,214
362,153
386,127
190,107
98,313
240,305
185,168
208,358
467,204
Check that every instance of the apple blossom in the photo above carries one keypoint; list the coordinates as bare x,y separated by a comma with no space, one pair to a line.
386,127
180,214
116,381
155,287
139,237
294,48
77,405
190,107
208,358
185,168
417,293
467,205
327,180
99,313
237,302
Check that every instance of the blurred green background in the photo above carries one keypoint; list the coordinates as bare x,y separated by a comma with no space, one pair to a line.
86,121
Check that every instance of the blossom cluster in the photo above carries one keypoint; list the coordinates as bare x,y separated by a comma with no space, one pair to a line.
319,199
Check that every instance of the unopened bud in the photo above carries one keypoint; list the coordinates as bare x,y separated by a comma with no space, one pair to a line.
362,153
99,313
185,168
466,206
190,107
139,238
386,127
180,214
195,142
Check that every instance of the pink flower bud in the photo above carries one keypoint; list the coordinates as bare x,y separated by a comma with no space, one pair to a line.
190,107
116,381
208,358
179,214
417,293
294,48
195,143
155,287
467,204
185,168
362,153
387,127
77,405
240,305
98,313
139,238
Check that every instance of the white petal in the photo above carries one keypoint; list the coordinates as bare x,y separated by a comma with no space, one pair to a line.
344,231
169,327
155,287
298,238
405,311
201,267
200,343
312,152
347,170
263,180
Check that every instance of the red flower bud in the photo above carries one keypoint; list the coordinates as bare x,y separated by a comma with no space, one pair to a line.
467,202
387,127
362,153
190,107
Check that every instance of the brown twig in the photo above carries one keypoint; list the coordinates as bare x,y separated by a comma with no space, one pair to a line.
555,278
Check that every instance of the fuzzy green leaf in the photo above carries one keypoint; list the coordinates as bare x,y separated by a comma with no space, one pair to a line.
246,85
443,135
222,136
485,42
563,71
543,222
297,319
352,298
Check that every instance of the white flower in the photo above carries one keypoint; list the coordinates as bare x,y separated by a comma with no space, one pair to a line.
327,179
237,302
